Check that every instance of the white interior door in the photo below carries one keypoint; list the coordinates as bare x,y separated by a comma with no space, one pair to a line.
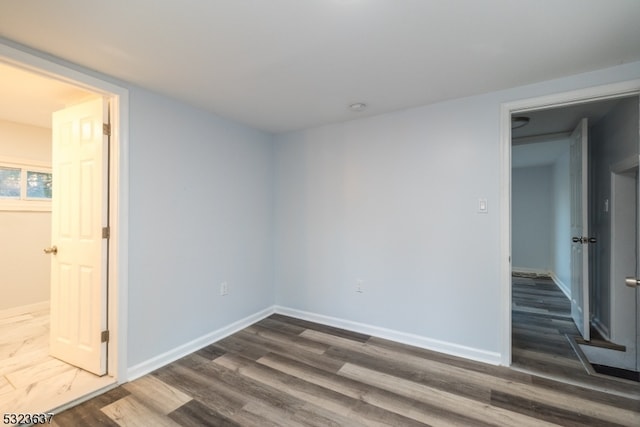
580,229
79,252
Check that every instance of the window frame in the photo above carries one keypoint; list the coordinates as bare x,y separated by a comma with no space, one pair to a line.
24,203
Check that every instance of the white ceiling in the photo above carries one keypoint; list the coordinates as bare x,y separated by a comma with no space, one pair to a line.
30,98
280,65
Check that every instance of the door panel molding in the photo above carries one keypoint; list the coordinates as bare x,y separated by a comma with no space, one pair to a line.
34,61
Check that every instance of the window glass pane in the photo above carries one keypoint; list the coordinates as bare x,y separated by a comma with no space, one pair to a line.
38,185
9,182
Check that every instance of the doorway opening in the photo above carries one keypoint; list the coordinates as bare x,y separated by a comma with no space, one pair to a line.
37,382
537,204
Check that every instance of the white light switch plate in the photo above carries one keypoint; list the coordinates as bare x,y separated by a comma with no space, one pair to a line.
483,207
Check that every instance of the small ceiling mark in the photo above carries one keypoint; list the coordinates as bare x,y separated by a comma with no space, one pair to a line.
358,107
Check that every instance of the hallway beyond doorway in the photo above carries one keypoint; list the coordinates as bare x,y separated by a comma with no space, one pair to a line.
541,316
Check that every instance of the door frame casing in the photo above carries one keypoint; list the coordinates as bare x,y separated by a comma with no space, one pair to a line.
595,93
622,185
118,96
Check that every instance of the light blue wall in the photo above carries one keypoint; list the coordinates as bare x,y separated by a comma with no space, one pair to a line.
200,214
392,200
561,239
541,229
532,217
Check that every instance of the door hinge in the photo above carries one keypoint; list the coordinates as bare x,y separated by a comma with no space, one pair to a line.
106,232
106,129
104,336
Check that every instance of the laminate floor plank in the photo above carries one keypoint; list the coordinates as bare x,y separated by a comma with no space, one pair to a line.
419,411
213,394
349,409
156,394
547,396
132,412
196,414
281,326
539,339
545,412
294,351
283,371
236,344
210,352
356,336
88,414
403,350
449,401
286,339
429,377
292,405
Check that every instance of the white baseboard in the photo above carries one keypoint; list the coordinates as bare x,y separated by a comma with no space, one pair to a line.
24,309
563,286
479,355
174,354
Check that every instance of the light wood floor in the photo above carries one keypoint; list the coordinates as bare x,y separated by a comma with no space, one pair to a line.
31,380
287,372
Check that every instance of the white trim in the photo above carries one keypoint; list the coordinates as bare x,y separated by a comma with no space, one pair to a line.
119,194
625,165
84,398
24,163
24,309
607,91
505,233
566,290
397,336
176,353
28,205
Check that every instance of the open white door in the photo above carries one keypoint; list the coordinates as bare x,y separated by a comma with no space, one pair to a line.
580,229
79,251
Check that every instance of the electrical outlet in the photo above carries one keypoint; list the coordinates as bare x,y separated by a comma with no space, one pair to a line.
224,289
359,286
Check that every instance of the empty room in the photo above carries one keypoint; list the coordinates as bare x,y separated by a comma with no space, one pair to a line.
322,212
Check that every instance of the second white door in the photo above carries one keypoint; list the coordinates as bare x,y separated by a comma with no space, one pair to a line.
79,251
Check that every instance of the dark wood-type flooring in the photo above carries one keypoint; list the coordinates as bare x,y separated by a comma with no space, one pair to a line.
541,321
287,372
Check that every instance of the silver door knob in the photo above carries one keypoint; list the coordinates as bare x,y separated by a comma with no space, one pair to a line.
632,282
51,250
